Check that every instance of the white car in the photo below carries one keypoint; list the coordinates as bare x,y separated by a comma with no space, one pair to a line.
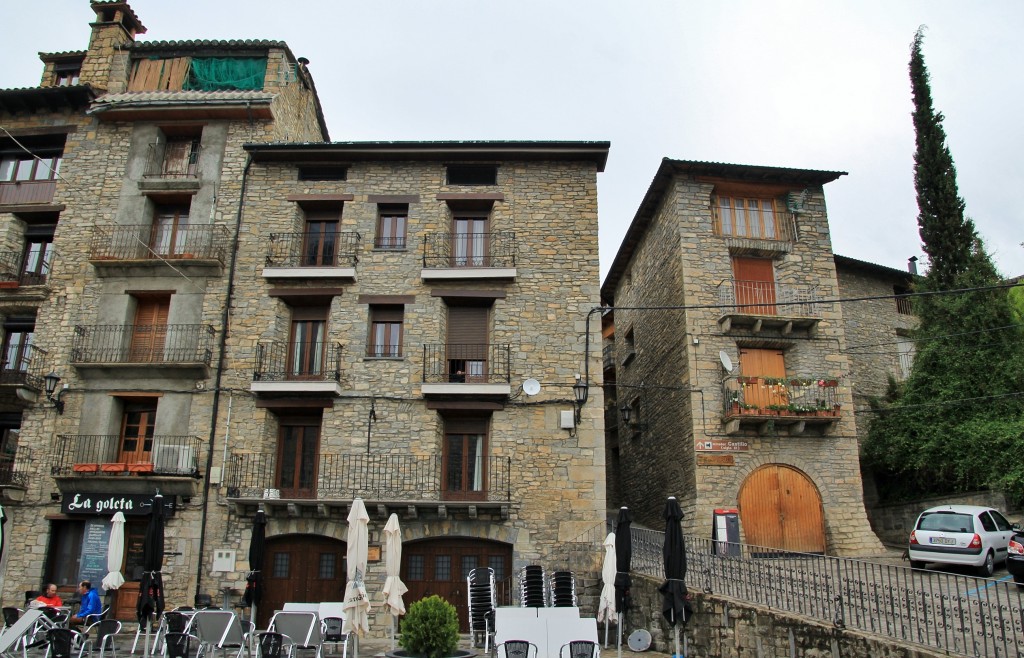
960,534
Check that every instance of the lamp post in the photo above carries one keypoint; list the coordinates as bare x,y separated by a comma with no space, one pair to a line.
50,383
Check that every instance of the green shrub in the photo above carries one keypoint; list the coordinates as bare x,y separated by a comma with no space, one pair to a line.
430,629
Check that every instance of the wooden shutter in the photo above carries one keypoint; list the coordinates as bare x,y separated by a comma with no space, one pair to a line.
467,325
149,331
754,281
763,363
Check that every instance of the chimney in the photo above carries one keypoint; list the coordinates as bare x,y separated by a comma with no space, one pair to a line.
912,265
106,62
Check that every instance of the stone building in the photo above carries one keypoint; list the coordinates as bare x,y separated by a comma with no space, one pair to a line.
243,314
732,385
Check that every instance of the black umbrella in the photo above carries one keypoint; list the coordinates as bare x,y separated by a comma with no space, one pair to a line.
151,587
253,581
623,557
674,605
3,534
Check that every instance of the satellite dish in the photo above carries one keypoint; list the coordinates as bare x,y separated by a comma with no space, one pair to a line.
531,387
726,361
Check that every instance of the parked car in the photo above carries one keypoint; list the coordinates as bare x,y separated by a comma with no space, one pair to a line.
1015,558
963,535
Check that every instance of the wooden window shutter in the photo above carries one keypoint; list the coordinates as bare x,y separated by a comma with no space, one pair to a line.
467,325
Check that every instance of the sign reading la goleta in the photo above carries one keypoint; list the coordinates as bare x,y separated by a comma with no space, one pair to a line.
109,504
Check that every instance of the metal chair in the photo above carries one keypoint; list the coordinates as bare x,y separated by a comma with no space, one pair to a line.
330,628
581,649
98,616
302,628
563,590
516,649
106,634
11,616
270,644
482,602
179,645
65,643
220,629
532,590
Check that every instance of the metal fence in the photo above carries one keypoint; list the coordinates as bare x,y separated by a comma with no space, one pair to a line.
945,611
467,363
84,455
15,468
773,298
158,343
149,242
497,249
316,361
326,249
373,477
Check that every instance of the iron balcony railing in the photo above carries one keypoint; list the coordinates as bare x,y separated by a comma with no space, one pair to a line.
111,454
149,242
772,298
467,363
780,396
961,615
157,343
28,368
281,361
375,477
443,250
14,268
15,468
313,249
174,159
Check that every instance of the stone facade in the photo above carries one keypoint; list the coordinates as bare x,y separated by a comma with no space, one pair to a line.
676,313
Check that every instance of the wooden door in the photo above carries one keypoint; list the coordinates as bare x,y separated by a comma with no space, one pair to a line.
781,508
149,331
440,566
170,231
306,344
297,452
137,429
761,363
301,569
469,241
754,282
320,241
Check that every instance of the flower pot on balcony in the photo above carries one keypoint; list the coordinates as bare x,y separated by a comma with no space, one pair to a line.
118,467
140,468
8,284
85,468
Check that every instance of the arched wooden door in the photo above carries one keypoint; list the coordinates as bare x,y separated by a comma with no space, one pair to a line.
781,508
301,569
440,566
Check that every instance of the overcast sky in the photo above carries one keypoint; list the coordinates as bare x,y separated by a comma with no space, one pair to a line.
816,85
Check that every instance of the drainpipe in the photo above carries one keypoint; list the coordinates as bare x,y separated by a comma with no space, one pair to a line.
220,370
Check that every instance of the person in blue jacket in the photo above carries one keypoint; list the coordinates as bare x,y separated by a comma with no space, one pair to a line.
90,603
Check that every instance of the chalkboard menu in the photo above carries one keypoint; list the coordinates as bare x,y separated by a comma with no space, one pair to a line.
93,565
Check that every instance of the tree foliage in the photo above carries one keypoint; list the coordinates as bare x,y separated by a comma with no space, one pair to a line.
957,422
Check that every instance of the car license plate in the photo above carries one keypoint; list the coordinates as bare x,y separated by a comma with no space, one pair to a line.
946,541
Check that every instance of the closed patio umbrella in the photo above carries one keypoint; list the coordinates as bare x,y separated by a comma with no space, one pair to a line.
115,552
673,590
253,580
394,588
151,587
357,604
606,604
623,558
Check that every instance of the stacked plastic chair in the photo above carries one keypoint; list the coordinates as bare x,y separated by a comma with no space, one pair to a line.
532,587
482,601
563,590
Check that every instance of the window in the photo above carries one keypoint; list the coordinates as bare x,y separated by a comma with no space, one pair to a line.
36,259
149,330
465,451
181,157
327,566
745,217
298,447
320,238
904,305
391,223
470,238
281,565
386,331
169,235
138,423
472,174
65,552
307,342
66,78
25,167
326,172
905,350
467,346
630,347
17,348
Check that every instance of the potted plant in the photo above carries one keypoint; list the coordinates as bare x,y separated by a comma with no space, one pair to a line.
430,629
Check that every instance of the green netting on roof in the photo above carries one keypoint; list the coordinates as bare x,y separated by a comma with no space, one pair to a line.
221,73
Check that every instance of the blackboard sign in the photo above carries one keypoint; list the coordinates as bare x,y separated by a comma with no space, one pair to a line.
93,564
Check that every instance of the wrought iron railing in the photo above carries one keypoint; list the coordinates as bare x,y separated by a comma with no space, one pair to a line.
149,242
374,477
174,160
111,454
15,468
12,268
313,249
280,361
773,298
443,250
142,343
781,396
467,363
958,614
27,370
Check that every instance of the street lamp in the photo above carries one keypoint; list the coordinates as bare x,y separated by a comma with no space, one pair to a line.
50,382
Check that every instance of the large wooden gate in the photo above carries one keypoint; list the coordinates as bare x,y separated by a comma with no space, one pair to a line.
301,569
781,508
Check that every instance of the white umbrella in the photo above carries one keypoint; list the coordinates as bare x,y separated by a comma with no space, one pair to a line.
115,553
394,588
606,604
357,604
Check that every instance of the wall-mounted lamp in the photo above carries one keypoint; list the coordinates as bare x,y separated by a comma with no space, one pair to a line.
580,391
626,413
50,383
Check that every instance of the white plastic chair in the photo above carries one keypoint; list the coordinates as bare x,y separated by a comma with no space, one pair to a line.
219,629
303,628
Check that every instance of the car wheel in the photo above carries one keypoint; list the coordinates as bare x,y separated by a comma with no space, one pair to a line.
988,567
916,564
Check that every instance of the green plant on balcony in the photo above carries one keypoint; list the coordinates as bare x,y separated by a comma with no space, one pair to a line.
801,382
774,381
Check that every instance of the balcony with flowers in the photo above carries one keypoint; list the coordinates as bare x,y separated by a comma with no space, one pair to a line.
797,403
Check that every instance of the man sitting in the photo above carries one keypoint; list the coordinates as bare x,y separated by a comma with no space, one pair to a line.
90,604
47,599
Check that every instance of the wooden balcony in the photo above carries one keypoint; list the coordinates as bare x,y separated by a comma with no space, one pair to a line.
18,193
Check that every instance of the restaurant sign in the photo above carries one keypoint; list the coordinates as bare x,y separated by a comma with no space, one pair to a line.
109,504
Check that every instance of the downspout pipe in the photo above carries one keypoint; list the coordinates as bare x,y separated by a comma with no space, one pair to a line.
224,319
